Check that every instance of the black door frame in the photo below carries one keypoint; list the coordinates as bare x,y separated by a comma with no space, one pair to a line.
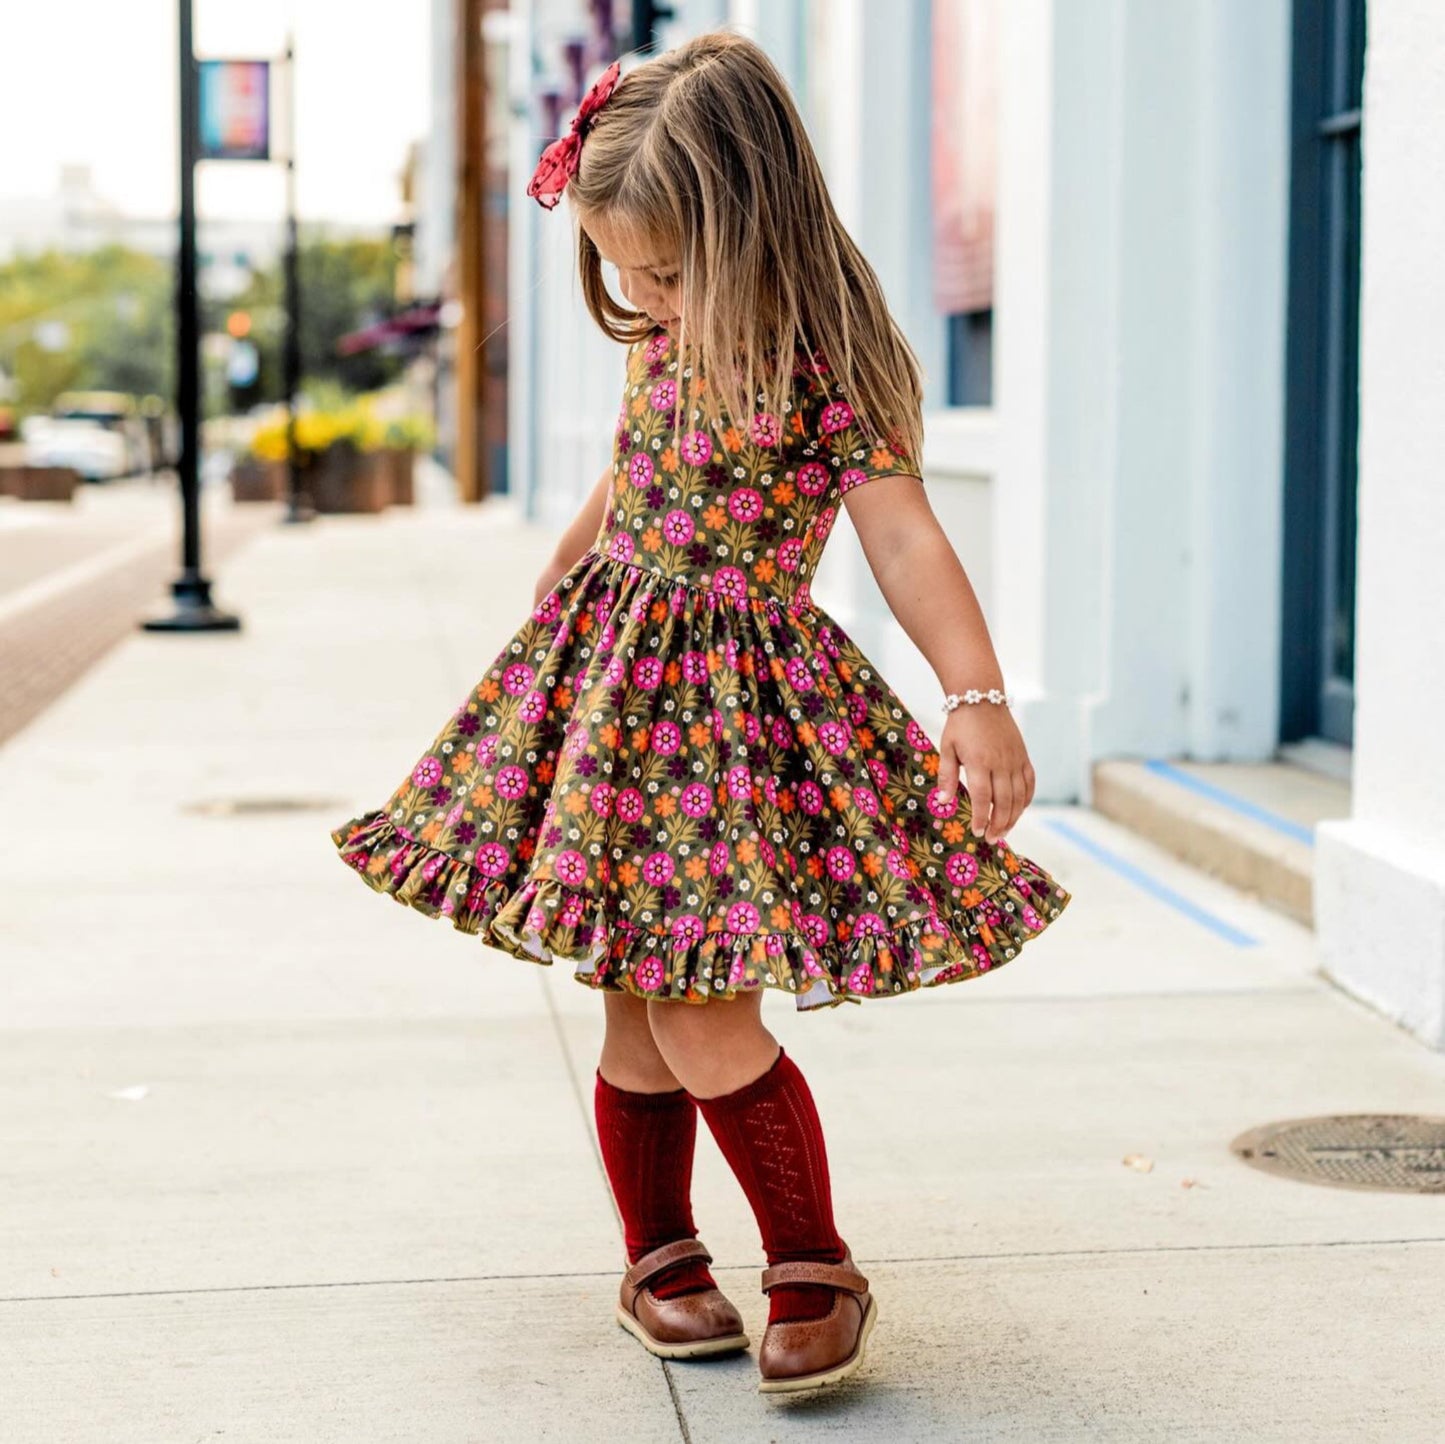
1322,371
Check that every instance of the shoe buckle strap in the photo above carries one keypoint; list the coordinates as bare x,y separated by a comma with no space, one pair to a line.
802,1271
652,1264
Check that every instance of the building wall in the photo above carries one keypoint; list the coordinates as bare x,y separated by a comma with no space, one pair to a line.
1380,875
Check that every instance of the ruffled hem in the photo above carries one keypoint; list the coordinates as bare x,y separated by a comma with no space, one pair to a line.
544,921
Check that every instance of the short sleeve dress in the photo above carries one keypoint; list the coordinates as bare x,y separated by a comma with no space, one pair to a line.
680,775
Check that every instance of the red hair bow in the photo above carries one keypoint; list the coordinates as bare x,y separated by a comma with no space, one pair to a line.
560,159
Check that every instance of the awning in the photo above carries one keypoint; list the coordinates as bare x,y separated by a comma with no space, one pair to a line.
415,321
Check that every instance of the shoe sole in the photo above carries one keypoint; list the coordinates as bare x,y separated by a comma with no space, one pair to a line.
801,1383
698,1348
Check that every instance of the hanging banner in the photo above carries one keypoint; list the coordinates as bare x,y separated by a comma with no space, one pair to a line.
235,110
964,146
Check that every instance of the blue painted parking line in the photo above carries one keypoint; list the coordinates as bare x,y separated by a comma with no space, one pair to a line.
1154,887
1231,800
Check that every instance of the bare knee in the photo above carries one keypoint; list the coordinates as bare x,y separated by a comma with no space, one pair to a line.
630,1056
714,1047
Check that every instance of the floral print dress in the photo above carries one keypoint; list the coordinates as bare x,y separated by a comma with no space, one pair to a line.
679,775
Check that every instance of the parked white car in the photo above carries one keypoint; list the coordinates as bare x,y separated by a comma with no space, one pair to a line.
96,453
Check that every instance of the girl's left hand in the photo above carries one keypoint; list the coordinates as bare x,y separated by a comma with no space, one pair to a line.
984,741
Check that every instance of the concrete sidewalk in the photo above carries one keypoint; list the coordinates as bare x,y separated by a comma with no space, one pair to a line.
284,1161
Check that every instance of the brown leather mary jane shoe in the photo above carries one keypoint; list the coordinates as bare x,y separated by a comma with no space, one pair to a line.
809,1353
687,1327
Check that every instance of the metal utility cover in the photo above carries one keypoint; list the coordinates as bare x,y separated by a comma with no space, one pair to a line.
1401,1152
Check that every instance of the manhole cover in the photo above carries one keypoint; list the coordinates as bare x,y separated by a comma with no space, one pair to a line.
259,806
1400,1151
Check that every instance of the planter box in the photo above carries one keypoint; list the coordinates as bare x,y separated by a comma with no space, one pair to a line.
401,466
253,480
348,481
39,483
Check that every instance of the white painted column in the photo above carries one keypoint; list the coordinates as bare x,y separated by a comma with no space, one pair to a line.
1380,874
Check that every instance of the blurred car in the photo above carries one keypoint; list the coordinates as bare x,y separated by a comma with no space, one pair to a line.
99,433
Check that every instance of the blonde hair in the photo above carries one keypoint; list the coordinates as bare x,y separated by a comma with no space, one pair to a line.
702,148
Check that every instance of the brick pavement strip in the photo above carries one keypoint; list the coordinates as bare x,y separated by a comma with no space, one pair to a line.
49,644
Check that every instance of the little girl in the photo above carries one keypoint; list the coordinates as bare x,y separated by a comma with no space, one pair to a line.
680,775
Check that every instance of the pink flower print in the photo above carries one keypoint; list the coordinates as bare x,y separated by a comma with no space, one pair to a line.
840,863
677,527
770,791
638,607
789,554
738,969
650,973
512,782
432,866
765,429
533,707
697,448
866,801
717,858
745,504
613,672
835,736
837,416
860,980
850,478
811,966
570,913
857,705
487,749
1030,917
639,471
898,863
752,728
517,678
742,918
869,925
658,869
740,782
961,868
492,859
665,738
814,928
548,609
620,548
781,733
917,737
694,668
630,804
664,396
799,674
730,584
823,523
427,772
730,657
1022,883
656,348
812,478
827,641
696,799
879,771
687,930
603,796
810,797
571,867
647,672
767,851
937,806
455,813
981,956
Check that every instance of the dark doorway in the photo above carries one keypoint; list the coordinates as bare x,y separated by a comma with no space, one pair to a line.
1323,361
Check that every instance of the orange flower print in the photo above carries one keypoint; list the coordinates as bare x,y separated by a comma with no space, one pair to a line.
488,691
651,539
714,518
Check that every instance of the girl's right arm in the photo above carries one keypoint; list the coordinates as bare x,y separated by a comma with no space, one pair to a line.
577,538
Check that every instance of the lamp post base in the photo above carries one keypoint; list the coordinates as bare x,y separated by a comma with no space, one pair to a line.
194,610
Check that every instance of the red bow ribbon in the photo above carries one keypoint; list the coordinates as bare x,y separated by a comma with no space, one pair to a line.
560,159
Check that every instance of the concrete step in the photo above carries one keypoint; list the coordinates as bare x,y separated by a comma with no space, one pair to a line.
1248,824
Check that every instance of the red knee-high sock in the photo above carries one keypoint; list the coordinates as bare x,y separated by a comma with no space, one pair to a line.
647,1142
770,1134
